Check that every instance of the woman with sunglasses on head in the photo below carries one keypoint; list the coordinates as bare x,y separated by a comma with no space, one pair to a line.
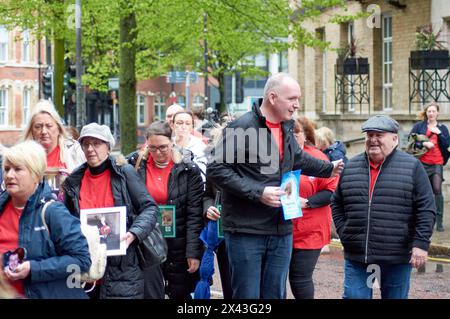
47,253
106,181
171,181
186,143
436,156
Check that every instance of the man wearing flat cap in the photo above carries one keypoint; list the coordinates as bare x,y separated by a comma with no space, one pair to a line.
384,213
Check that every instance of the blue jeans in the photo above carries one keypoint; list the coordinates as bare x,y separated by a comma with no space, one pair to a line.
259,265
394,280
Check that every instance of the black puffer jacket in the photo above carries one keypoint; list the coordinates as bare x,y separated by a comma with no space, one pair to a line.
123,278
243,175
400,215
185,191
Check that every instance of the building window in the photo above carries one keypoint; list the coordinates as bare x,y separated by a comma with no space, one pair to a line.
26,102
26,46
140,101
283,62
181,100
198,101
3,107
258,82
3,44
160,108
387,62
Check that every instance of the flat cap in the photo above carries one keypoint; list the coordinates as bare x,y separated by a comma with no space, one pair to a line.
380,123
102,132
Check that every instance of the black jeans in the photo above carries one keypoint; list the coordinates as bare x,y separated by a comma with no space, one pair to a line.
303,263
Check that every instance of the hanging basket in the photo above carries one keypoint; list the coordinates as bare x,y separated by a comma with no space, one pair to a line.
424,60
351,66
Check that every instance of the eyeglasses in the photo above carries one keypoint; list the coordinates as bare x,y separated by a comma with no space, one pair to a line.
161,149
95,144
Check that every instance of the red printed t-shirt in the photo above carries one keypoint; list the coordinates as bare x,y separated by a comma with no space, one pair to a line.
433,156
313,230
54,158
96,190
9,236
157,181
374,171
277,134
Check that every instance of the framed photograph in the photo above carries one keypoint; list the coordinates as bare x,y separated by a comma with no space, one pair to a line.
167,220
111,224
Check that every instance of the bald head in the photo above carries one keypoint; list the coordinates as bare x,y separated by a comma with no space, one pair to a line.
276,81
171,111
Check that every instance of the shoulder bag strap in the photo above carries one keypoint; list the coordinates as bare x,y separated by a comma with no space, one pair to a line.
43,214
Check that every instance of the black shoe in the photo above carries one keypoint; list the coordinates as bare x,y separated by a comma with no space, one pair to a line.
440,228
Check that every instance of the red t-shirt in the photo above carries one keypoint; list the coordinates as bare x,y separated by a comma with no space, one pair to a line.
313,230
157,181
277,133
96,190
9,236
433,156
54,159
374,171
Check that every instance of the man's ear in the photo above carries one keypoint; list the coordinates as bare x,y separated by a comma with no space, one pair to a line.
272,95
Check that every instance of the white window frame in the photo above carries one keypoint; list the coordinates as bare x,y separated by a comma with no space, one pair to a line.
141,111
3,107
4,38
159,106
196,104
26,104
181,103
25,46
386,62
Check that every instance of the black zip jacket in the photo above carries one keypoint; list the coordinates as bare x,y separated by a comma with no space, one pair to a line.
250,167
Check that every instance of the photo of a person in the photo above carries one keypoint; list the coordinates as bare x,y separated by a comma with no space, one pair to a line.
166,218
107,224
288,189
12,259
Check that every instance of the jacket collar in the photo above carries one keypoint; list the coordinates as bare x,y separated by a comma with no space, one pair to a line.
42,194
286,125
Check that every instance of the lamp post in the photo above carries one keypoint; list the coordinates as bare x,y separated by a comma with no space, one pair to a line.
205,56
81,109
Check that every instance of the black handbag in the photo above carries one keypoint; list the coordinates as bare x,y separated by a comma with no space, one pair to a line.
153,249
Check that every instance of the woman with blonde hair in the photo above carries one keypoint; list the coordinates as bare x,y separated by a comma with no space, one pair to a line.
326,142
436,156
46,128
50,250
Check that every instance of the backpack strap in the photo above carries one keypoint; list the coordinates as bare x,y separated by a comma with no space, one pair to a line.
43,214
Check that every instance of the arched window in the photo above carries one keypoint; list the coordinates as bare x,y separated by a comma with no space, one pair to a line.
3,106
3,44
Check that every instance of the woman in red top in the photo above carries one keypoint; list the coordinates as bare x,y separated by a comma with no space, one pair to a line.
436,156
312,231
63,153
172,181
